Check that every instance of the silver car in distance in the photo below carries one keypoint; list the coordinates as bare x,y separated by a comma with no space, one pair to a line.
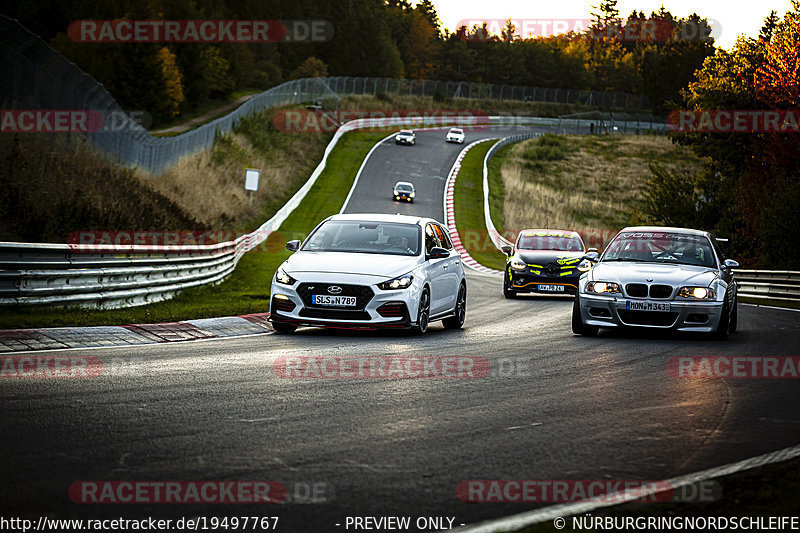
658,277
369,271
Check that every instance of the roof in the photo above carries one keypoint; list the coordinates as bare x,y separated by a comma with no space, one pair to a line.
380,217
548,231
666,229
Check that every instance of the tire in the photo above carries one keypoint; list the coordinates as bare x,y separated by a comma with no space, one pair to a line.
423,314
508,292
725,322
460,310
578,327
283,328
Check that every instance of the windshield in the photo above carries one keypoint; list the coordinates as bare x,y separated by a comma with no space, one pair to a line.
548,240
456,131
403,187
365,237
661,247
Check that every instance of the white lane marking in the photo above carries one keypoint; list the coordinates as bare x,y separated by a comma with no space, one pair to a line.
772,307
524,426
518,521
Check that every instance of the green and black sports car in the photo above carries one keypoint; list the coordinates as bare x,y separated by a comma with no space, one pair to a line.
546,261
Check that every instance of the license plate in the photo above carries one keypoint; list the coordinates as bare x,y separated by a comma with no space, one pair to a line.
335,301
551,288
646,306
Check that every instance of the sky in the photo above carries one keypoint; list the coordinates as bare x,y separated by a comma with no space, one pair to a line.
729,19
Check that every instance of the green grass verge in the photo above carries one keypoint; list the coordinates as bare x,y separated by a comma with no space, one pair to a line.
247,289
497,190
766,491
468,205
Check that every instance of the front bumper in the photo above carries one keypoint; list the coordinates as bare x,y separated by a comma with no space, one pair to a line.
525,281
404,141
403,197
688,316
385,310
455,140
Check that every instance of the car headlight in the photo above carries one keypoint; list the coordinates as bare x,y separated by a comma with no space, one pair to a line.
282,277
585,265
403,282
697,293
411,195
601,287
516,264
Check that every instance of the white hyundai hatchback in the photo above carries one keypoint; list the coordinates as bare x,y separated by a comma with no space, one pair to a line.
370,271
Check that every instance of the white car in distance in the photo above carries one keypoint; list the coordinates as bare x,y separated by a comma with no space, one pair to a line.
407,137
455,135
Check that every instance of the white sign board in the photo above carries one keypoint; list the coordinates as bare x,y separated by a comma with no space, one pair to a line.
251,179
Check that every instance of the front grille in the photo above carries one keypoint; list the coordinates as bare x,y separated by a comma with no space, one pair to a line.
362,293
660,291
636,290
551,270
647,318
338,314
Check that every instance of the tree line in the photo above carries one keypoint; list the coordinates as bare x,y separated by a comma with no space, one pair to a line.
749,189
382,38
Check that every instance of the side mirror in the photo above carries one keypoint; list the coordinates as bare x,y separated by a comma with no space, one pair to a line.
508,250
293,246
730,263
438,253
592,255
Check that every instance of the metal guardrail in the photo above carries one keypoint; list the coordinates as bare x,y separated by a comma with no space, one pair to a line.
768,285
111,276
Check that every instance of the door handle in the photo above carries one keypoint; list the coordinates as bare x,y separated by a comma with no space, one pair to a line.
444,266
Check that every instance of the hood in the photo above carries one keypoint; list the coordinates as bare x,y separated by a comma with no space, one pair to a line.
542,257
631,272
378,265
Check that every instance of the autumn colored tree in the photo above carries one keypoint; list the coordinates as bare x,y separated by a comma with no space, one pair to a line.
312,67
